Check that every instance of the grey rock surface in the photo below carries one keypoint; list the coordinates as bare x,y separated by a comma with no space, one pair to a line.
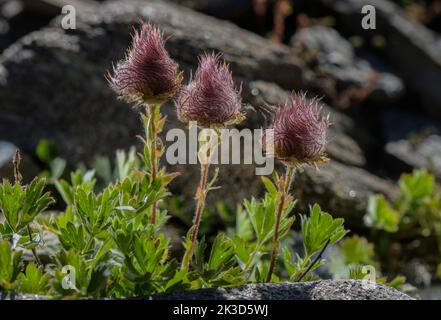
19,296
9,9
411,48
342,190
317,290
423,153
414,142
331,56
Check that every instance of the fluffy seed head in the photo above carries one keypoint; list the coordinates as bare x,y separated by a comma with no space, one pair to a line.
299,135
210,98
147,74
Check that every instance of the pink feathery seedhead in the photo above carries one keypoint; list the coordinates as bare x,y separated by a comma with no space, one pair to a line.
147,74
210,98
300,132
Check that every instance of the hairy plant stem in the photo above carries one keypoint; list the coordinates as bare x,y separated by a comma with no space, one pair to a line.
284,186
18,177
201,195
152,110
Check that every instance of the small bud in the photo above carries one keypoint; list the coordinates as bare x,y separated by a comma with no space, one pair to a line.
299,132
210,98
147,74
16,160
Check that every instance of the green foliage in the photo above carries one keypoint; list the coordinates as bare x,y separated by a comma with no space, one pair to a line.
417,186
350,254
108,246
262,217
255,224
78,180
88,277
122,168
358,250
319,229
416,212
221,268
20,205
9,266
33,280
46,151
380,215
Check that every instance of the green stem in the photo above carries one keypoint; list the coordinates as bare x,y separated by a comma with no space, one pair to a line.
88,244
200,206
34,252
153,156
201,195
284,191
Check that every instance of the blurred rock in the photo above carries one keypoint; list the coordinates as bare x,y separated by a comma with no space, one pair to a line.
234,10
422,153
9,10
28,168
331,56
412,141
341,190
412,49
314,290
418,273
53,7
431,293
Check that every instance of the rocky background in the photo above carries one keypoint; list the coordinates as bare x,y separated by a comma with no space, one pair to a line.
381,87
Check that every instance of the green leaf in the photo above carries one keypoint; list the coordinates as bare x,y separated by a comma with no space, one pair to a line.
33,280
178,282
21,204
417,185
222,253
351,251
244,228
57,167
319,228
46,150
380,215
242,248
10,262
270,187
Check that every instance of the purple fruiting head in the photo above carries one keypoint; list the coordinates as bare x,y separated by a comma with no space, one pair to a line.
147,75
211,98
299,132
